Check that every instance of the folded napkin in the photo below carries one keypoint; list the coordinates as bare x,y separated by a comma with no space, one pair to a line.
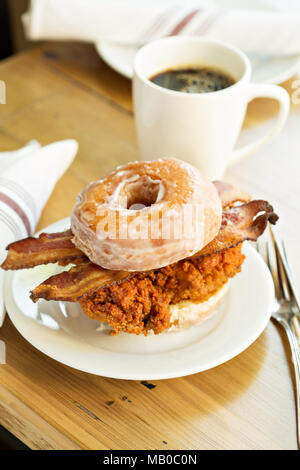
137,22
27,178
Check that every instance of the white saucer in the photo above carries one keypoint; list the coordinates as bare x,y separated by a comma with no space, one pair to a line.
265,69
61,331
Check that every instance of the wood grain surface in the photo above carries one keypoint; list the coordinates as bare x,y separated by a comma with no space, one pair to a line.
58,91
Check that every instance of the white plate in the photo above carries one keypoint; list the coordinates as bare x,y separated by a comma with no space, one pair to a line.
265,69
61,331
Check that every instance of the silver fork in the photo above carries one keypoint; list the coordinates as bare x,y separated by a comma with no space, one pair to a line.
286,309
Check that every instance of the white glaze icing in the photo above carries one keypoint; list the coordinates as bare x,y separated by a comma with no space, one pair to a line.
148,245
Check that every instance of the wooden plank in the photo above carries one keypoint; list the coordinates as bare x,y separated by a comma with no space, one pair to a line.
204,411
30,428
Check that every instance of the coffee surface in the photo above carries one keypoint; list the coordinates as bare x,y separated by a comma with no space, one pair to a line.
201,80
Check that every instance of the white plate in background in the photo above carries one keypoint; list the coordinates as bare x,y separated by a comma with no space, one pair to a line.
264,69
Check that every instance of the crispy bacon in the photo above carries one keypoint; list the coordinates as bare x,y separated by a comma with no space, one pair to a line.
245,222
73,284
47,248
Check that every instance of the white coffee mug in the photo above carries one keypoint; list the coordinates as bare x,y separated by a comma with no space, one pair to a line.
200,128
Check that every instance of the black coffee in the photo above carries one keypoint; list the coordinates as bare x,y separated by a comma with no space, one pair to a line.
202,80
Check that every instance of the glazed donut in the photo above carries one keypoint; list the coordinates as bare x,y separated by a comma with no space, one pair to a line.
146,215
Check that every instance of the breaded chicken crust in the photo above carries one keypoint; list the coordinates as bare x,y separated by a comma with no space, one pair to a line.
140,304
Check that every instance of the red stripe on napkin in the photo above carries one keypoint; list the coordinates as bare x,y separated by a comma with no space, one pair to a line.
159,21
18,210
184,22
11,224
20,192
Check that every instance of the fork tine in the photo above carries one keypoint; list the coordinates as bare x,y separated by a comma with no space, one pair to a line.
263,247
287,275
282,278
284,252
286,268
258,247
272,262
286,292
291,277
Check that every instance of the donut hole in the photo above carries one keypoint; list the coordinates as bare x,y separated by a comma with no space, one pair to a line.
142,193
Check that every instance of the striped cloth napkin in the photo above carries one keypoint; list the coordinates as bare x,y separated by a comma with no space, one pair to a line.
135,22
27,178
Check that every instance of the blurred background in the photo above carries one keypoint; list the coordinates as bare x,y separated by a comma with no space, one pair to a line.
11,30
5,32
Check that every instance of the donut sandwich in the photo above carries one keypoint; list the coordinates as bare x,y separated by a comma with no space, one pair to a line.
151,247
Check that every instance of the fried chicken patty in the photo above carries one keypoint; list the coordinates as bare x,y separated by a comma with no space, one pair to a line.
140,304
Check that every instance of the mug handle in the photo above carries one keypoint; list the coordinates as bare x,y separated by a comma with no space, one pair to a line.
265,91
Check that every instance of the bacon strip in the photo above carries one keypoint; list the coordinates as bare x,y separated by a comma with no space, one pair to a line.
73,284
47,248
244,222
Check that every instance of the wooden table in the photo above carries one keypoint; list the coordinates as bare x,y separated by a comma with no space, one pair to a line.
60,91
